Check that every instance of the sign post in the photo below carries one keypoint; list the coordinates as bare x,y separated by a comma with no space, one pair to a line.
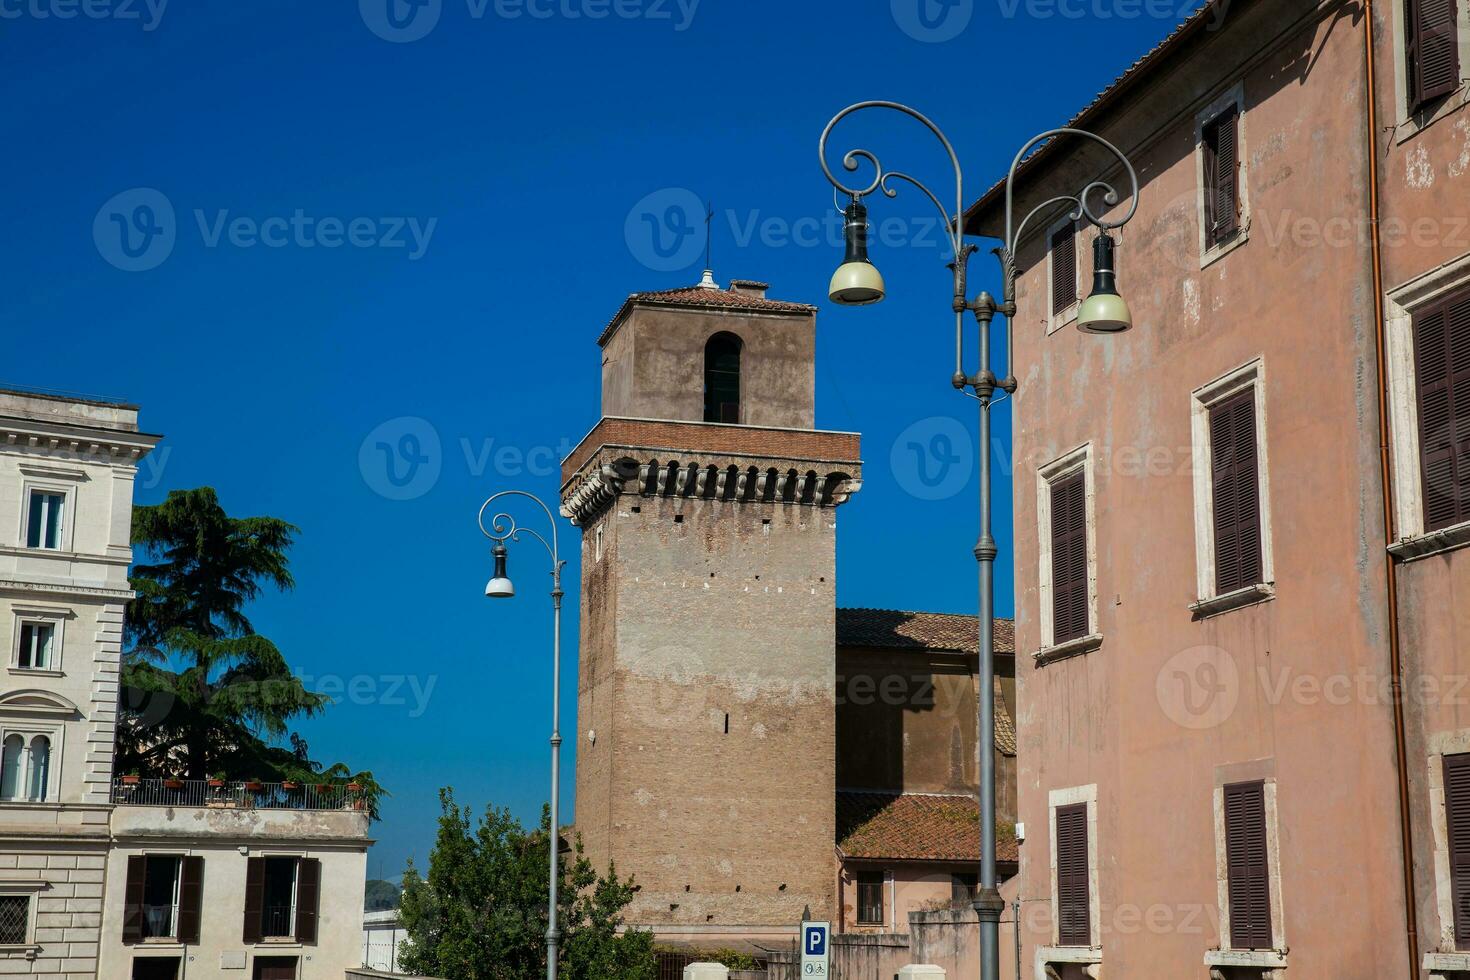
816,955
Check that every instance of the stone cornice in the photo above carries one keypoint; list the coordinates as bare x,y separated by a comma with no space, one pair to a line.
90,592
77,442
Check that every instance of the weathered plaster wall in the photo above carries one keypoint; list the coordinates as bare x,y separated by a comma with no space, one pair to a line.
1170,705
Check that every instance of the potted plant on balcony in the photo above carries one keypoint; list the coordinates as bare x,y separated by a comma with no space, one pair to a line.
217,781
173,783
132,778
290,785
254,785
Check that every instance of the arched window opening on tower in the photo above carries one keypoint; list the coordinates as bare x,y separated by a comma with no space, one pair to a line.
722,378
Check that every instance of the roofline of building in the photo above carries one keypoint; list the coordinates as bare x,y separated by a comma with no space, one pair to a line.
1201,22
70,397
635,300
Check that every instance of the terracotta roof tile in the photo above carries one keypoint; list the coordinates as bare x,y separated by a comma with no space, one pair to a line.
704,297
919,630
914,827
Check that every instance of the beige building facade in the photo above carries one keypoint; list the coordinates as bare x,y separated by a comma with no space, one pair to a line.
1217,776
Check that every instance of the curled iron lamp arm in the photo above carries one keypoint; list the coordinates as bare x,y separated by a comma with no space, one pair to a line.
503,526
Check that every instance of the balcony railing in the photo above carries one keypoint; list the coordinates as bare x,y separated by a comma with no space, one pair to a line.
130,791
278,922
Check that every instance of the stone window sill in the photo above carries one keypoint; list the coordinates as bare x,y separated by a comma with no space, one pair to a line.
28,950
1065,318
1248,596
1071,648
1217,252
1433,543
1446,962
1412,125
1089,957
1263,959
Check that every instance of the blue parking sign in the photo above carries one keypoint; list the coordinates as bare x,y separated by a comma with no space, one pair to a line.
814,958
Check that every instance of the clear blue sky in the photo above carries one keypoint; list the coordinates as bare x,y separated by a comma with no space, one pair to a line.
471,207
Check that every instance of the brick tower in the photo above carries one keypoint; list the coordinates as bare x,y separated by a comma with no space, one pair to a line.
706,733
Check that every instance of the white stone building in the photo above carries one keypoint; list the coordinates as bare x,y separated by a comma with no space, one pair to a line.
66,497
106,878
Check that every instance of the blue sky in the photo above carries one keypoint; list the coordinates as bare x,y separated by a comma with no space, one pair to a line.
293,232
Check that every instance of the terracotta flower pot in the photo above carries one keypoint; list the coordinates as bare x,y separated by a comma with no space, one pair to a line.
354,787
216,784
131,780
290,786
254,785
173,784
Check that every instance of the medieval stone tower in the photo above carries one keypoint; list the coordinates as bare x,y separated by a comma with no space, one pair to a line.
706,753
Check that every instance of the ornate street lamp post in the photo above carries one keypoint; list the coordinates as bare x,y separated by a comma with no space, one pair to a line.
503,528
857,283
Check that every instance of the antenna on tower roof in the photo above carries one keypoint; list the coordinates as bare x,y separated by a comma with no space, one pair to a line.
709,226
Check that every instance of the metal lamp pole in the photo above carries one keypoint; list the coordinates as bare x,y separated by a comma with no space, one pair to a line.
504,528
1101,318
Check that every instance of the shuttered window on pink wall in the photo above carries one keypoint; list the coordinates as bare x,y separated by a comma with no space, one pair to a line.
1442,376
1069,558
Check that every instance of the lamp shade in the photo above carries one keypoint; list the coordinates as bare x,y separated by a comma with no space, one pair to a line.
857,281
500,586
1104,311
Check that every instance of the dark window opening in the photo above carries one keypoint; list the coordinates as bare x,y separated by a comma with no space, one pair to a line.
1221,172
15,920
1432,50
1063,268
275,968
278,914
156,968
1246,866
160,897
1074,908
1457,828
1235,493
870,898
963,889
722,378
1442,377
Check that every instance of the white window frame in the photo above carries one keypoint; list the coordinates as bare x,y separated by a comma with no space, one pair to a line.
1400,303
1251,375
28,731
178,858
28,890
68,513
1274,958
1056,800
1235,96
1406,124
1068,464
1057,319
27,615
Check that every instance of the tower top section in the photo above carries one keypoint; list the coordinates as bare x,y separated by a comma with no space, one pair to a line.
704,353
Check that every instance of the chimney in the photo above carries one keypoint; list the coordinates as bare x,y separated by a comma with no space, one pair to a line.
708,282
750,287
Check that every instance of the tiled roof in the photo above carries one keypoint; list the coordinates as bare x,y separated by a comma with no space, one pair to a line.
919,630
1187,28
914,827
703,296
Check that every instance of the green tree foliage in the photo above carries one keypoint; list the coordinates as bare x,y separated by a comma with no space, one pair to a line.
481,912
203,693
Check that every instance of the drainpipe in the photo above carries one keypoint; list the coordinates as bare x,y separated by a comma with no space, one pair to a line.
1406,834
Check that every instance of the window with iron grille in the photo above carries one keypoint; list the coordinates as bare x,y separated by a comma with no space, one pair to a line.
1432,50
962,890
1219,143
870,898
15,920
1457,827
1442,377
1247,867
1074,912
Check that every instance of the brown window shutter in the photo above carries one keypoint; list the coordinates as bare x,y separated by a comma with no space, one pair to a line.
1433,50
1235,492
1457,822
1069,558
132,926
1220,137
191,898
1246,866
1442,376
254,899
308,899
1063,268
1073,913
